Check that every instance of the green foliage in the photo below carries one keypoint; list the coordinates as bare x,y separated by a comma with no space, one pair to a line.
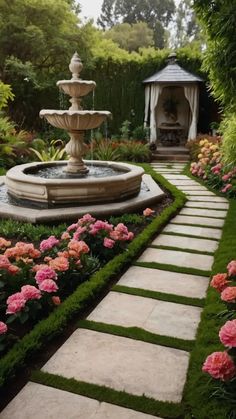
104,150
134,151
5,94
54,151
131,37
125,129
12,143
228,129
218,20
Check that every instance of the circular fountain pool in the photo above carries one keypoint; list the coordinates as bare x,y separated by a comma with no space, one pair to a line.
47,184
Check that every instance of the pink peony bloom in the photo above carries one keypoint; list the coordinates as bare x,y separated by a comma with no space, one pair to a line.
59,264
30,292
226,188
227,334
49,243
72,227
231,267
16,302
79,231
100,225
45,273
22,250
4,262
226,177
86,219
56,300
3,328
220,366
229,295
219,282
13,269
76,248
147,212
4,243
109,243
130,236
48,285
65,236
37,268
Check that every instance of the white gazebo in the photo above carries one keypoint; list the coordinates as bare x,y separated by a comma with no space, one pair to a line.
171,104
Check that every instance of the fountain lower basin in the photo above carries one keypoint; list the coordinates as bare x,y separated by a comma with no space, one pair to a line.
23,183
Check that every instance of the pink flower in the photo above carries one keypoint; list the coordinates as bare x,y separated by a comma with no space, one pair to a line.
226,177
65,236
79,231
4,243
231,267
3,328
56,300
86,219
59,264
109,243
130,236
45,273
219,282
76,248
229,295
13,269
48,285
72,227
37,268
4,262
220,366
100,225
49,243
227,334
30,292
147,212
15,303
226,188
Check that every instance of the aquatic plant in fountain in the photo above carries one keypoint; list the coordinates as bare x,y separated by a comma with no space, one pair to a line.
75,120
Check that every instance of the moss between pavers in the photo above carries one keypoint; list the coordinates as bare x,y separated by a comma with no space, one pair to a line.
137,333
172,268
104,394
56,322
171,298
181,249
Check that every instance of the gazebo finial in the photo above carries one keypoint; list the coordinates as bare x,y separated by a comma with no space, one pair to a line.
172,58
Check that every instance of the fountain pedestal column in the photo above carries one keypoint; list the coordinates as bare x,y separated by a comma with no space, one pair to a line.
76,149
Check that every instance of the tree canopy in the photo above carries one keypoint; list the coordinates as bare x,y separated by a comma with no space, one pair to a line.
156,13
131,37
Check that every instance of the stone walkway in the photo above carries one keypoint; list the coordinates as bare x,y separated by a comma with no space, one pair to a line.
120,363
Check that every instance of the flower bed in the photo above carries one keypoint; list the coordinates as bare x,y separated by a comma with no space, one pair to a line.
209,166
35,279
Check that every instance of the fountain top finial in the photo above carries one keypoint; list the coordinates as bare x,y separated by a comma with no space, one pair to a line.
75,66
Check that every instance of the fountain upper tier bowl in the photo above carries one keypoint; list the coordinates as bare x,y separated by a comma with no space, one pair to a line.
24,183
75,120
76,88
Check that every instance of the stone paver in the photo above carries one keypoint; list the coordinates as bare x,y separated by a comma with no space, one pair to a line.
192,188
36,401
176,177
186,219
161,317
208,233
186,182
203,212
200,193
177,258
215,199
208,205
164,281
122,364
186,243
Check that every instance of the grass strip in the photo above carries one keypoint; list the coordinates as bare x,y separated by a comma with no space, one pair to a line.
171,298
173,268
57,321
195,225
182,249
199,388
137,333
105,394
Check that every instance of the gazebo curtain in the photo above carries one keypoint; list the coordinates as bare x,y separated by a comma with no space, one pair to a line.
147,104
154,96
192,96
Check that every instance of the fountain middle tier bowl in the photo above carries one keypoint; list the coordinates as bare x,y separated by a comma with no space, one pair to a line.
76,88
27,182
75,120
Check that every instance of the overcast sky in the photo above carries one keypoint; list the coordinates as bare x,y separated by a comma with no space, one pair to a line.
91,8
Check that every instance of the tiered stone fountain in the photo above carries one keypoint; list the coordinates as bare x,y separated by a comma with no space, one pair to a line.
63,189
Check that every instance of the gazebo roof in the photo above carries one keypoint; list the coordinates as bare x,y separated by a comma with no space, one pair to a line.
173,73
